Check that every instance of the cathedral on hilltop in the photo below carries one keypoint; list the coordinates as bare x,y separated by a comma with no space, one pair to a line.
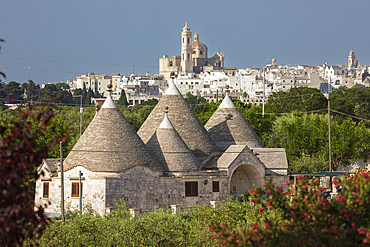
193,58
172,161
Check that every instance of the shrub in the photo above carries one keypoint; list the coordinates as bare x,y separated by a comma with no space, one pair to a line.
307,219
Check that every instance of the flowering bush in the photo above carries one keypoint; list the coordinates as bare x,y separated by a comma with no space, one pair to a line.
21,151
307,218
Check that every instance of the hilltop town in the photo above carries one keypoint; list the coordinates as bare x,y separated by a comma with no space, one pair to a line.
198,74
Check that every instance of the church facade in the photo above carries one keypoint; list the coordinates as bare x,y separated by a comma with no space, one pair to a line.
172,160
193,59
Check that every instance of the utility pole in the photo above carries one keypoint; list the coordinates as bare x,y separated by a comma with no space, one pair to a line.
80,191
81,110
263,104
62,178
330,167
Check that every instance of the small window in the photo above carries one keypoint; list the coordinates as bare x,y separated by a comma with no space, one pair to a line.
181,83
191,188
201,52
188,40
45,191
75,190
215,186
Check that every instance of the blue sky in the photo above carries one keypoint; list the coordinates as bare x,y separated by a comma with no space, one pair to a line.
107,36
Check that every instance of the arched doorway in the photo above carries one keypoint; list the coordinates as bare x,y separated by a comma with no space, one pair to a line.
243,178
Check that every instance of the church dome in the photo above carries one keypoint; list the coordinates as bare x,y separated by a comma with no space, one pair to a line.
351,53
227,126
183,120
110,144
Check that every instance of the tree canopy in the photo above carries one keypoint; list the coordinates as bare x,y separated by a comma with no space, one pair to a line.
301,99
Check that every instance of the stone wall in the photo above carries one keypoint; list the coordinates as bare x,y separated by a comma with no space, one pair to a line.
141,188
138,187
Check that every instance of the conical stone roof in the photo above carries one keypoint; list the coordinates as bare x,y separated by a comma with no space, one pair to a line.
184,121
170,150
227,126
110,144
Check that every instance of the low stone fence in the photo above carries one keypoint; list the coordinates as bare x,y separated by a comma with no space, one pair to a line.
174,208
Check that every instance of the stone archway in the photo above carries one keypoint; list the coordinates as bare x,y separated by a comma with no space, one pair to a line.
243,178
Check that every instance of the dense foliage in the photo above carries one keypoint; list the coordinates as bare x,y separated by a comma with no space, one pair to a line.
30,92
157,228
22,148
302,99
305,138
307,218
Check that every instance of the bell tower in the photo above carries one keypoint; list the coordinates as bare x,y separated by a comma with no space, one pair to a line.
186,50
351,59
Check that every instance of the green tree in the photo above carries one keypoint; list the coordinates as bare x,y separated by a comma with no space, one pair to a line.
302,99
32,90
122,99
89,95
194,100
84,94
205,111
13,91
307,136
62,86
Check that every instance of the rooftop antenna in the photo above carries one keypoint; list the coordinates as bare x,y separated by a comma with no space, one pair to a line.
29,72
133,68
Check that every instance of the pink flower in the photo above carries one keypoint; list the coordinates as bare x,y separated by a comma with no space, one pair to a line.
261,210
265,184
268,191
231,238
253,192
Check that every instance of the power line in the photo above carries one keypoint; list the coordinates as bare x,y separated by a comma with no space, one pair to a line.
58,61
296,96
288,113
350,115
47,71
